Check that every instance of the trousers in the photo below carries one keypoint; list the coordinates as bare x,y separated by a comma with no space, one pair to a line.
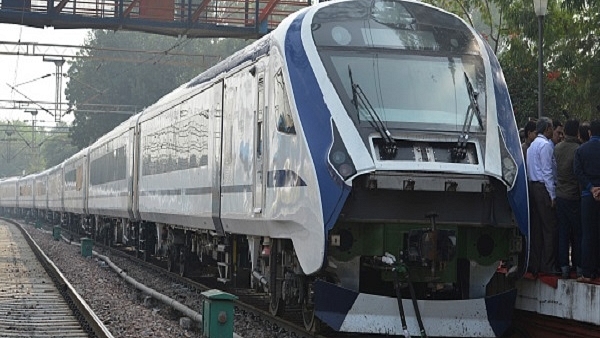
543,230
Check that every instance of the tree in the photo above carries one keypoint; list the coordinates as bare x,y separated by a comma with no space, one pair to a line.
571,60
56,146
16,150
136,83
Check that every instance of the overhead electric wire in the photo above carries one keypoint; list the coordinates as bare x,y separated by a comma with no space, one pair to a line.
180,41
32,101
35,45
36,79
156,58
18,55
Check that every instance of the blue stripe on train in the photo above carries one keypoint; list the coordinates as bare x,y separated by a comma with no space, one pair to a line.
316,123
517,196
332,303
500,309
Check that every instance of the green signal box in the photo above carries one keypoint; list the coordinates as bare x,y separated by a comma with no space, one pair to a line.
87,244
218,312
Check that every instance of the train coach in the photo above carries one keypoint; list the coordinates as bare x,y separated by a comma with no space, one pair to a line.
40,194
26,196
55,193
8,195
361,163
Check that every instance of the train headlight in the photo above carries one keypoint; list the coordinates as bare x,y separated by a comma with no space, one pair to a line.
339,159
509,166
346,170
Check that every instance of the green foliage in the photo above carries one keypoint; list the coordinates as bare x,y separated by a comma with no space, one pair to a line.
16,152
57,147
133,80
571,60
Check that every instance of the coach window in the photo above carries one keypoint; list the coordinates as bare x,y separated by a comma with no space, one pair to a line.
285,121
79,178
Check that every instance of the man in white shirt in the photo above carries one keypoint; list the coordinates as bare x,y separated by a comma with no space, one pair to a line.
542,195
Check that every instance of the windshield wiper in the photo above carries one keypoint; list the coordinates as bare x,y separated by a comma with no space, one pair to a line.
460,152
389,149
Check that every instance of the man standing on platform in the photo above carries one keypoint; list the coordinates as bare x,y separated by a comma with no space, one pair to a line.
567,200
558,135
586,166
542,192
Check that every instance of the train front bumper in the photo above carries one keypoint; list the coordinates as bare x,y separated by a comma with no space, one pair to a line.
349,311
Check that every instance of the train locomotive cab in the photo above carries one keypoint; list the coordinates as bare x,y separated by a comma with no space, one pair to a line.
434,202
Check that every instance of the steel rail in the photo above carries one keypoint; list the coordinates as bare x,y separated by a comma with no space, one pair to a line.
82,311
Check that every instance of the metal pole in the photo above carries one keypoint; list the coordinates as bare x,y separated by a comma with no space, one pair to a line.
58,94
33,142
540,65
33,137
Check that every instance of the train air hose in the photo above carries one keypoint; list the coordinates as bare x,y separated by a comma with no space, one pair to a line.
401,274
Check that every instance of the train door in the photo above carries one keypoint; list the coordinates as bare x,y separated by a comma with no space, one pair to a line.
259,144
217,132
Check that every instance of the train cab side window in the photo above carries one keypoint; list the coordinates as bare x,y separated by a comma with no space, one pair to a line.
285,121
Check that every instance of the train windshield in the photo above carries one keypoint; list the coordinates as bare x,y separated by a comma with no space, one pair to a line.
411,62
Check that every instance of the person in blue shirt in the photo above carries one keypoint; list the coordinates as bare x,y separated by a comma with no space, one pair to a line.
542,194
586,166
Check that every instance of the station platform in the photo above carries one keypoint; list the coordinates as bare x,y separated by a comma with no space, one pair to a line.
560,298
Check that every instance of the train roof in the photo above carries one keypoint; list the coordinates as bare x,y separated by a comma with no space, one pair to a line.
118,130
249,53
78,155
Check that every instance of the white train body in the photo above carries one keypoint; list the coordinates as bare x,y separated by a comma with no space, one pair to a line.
8,193
25,193
305,161
75,183
40,191
110,173
55,189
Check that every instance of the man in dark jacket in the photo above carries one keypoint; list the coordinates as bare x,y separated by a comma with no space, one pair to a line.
567,200
586,166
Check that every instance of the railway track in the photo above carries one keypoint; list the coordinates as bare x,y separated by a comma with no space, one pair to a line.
249,303
35,299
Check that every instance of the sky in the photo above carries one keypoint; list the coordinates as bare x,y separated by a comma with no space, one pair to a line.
16,70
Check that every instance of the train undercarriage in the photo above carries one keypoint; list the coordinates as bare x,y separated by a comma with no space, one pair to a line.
438,262
238,261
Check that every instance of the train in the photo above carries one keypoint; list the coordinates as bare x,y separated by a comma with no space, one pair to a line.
360,164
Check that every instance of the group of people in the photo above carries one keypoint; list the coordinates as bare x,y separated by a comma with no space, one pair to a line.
563,169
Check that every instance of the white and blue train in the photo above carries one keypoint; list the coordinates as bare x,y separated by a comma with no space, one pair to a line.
361,163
